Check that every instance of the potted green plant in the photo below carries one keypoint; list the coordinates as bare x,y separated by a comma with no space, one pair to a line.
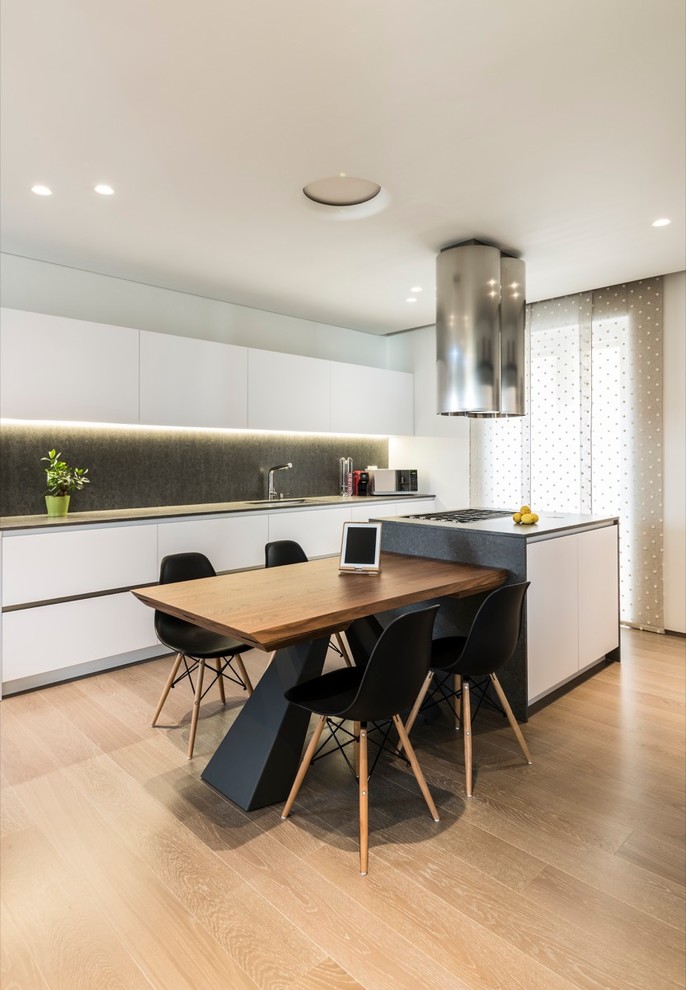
61,481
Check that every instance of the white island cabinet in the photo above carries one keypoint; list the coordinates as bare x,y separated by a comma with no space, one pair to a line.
572,606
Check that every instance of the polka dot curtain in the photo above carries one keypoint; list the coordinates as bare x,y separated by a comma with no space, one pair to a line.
592,437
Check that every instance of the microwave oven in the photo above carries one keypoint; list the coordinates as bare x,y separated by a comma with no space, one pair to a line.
392,481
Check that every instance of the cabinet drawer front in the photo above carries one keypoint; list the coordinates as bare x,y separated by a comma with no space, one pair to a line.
231,544
53,637
41,566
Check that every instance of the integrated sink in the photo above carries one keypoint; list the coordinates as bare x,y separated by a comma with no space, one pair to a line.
276,502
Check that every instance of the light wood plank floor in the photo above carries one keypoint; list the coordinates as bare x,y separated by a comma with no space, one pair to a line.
120,868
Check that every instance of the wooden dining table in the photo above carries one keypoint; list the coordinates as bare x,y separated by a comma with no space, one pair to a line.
294,610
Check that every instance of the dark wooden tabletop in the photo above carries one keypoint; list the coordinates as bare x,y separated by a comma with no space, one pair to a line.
273,607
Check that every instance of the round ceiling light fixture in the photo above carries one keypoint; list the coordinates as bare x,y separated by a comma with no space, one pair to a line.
41,190
344,197
662,222
104,189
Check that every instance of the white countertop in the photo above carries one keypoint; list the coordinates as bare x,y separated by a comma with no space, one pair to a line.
549,522
211,508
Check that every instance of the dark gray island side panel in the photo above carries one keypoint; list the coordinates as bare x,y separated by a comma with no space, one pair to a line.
455,617
497,542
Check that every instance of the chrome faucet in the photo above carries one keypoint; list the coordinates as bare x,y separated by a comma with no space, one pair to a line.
272,493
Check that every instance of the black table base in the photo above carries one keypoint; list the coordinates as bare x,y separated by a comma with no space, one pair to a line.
257,760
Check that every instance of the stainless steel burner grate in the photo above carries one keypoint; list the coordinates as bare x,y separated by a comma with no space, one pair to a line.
462,515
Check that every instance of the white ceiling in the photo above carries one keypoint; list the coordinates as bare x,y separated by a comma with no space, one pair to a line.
554,129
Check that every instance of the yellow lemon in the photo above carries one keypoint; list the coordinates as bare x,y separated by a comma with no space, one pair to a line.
525,509
517,517
527,518
535,517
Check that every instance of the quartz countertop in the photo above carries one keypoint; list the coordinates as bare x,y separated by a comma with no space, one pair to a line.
179,511
548,523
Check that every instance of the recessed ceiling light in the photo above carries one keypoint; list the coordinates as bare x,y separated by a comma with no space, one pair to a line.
104,190
41,190
662,222
341,190
416,288
411,299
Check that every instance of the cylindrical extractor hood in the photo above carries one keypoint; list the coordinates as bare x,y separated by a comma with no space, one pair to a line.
479,332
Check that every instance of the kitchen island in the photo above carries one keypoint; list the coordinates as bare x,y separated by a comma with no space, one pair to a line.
571,618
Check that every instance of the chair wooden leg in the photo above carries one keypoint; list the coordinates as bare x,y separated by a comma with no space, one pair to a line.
418,702
342,646
457,700
306,760
416,769
196,707
243,672
511,719
467,732
167,687
271,657
364,801
222,692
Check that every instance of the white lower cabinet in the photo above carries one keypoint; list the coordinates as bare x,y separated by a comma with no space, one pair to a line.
42,636
572,606
232,544
56,637
58,564
318,531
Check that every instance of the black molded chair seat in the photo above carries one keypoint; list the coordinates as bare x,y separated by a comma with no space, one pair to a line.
474,659
193,645
377,692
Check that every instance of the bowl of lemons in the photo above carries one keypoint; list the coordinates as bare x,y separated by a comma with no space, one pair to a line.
525,517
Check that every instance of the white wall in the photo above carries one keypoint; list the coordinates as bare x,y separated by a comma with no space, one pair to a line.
440,447
46,288
674,412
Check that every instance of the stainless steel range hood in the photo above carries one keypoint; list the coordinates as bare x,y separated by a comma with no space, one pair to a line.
480,352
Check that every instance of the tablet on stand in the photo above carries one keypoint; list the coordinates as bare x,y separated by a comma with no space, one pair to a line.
360,548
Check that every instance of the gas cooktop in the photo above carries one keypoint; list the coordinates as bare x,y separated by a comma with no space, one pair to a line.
462,515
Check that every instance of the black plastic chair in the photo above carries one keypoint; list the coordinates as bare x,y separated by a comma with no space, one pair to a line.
195,646
378,692
278,553
475,658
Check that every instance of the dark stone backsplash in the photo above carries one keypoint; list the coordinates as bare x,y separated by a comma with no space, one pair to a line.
134,467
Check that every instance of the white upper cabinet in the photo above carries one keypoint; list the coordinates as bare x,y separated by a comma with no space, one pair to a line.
288,392
371,400
188,382
56,368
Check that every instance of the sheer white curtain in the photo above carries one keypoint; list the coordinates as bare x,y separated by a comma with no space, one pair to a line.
592,438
